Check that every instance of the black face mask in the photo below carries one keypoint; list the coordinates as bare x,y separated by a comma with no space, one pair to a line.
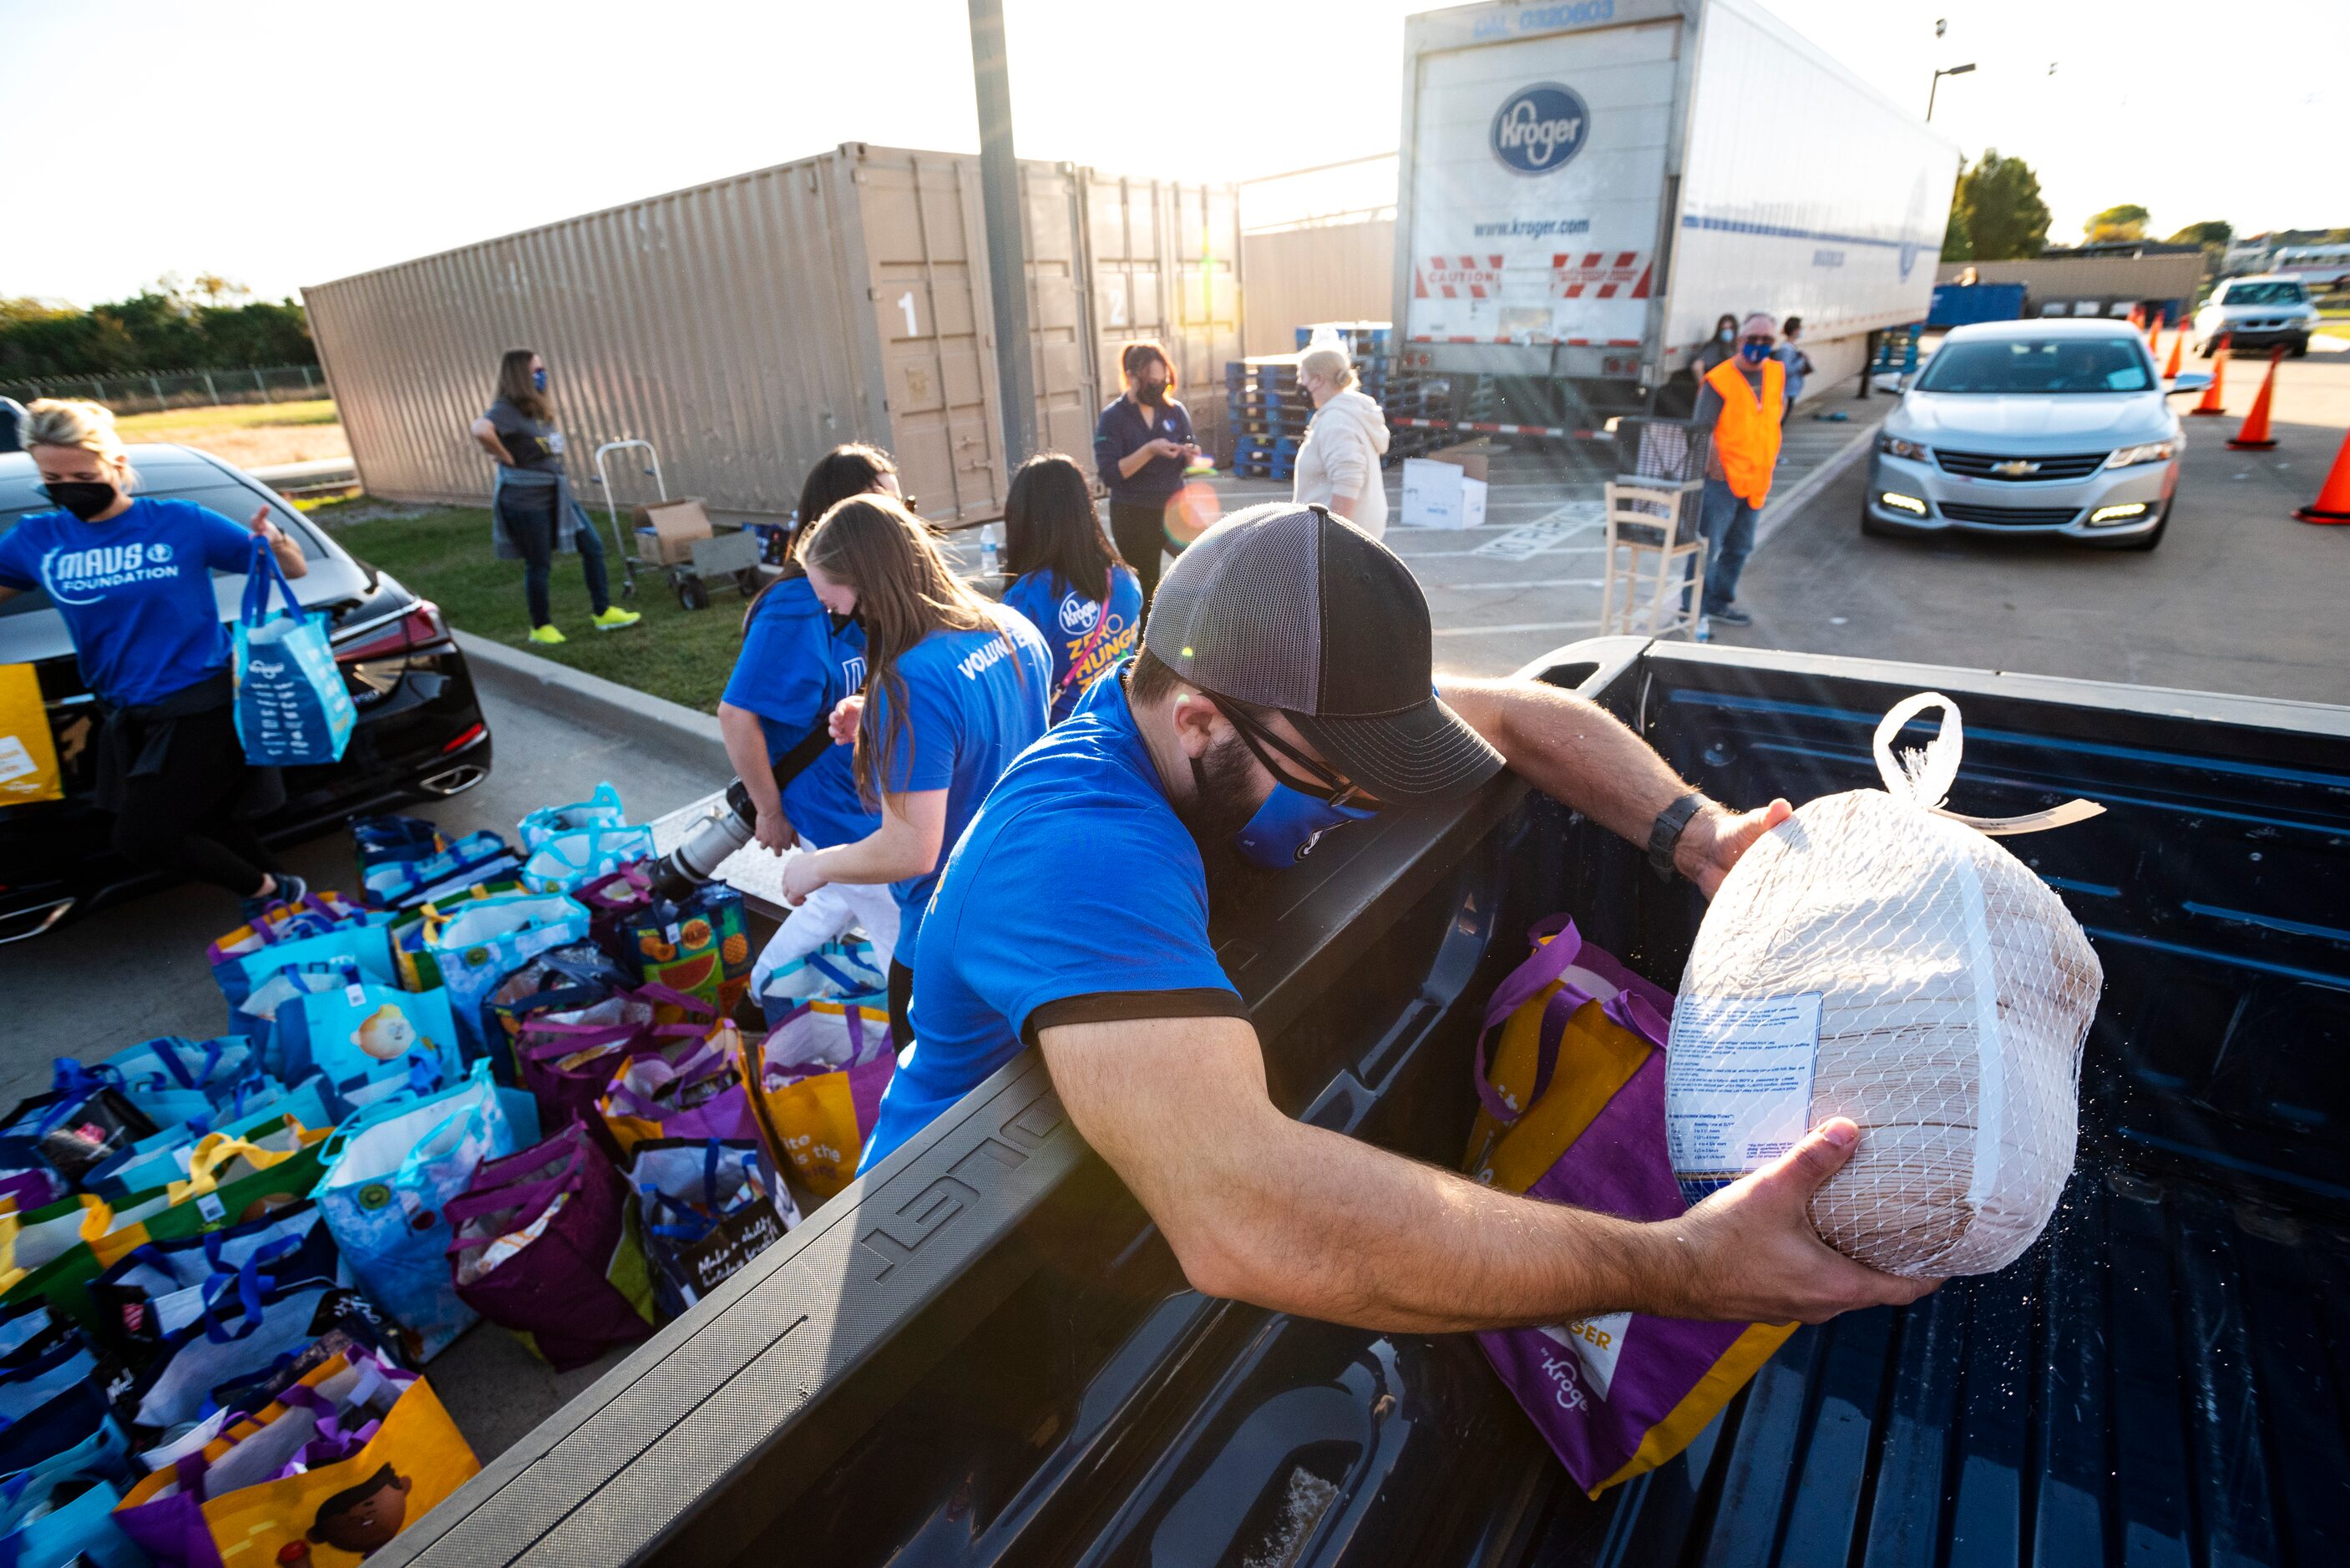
1153,393
84,498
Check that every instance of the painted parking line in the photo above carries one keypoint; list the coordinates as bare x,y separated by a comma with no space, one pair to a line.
1512,587
1515,627
1553,550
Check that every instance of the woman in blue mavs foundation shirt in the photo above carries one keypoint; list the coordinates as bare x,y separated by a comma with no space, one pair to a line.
132,580
1065,576
954,688
798,660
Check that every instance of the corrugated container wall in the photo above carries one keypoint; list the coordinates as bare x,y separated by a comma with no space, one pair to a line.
1165,261
1316,272
743,327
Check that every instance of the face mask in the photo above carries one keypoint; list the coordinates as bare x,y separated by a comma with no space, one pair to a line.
1288,826
538,379
84,498
1291,821
1725,335
1754,353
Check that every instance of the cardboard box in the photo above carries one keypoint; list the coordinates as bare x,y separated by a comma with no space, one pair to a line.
1439,494
667,530
1470,456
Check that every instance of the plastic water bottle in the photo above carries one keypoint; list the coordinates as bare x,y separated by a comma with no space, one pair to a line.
989,550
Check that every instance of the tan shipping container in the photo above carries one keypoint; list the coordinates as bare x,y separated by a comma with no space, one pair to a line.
744,327
1164,261
1316,272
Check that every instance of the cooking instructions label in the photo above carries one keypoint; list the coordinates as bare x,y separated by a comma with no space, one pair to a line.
1738,1085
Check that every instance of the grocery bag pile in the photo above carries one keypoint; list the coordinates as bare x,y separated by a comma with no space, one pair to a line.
505,1081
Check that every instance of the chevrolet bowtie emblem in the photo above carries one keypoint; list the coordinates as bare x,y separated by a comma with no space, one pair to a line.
2015,468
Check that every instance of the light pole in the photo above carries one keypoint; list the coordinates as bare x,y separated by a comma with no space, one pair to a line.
1953,71
1007,265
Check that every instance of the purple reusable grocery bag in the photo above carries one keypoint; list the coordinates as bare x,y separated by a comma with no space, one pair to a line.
1574,1112
544,1247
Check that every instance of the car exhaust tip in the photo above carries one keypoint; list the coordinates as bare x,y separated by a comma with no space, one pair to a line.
453,780
35,922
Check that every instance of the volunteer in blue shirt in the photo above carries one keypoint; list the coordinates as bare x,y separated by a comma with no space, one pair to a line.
954,688
1142,442
131,576
1066,578
1284,693
798,660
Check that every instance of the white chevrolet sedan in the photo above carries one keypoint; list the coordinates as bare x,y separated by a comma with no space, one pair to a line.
2033,427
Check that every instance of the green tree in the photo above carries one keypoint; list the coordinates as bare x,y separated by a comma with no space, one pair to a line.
165,327
2211,232
1958,243
2126,221
1999,202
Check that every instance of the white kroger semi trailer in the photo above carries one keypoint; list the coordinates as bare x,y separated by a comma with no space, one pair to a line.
1586,186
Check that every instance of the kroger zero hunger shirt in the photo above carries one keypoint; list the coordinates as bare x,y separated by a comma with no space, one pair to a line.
136,591
973,700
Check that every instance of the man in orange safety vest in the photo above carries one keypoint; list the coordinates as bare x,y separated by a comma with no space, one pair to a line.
1743,400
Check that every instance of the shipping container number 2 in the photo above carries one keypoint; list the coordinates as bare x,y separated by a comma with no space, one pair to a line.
906,304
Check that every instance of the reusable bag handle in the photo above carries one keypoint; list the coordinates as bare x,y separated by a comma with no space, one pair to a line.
250,1282
214,1150
1546,966
263,577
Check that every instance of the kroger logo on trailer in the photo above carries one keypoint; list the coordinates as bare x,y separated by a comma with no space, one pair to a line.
1541,128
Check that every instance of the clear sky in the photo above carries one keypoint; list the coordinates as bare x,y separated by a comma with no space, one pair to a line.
290,141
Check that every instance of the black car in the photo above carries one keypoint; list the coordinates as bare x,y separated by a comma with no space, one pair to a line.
419,735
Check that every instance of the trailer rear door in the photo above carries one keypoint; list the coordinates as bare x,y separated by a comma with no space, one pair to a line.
1538,175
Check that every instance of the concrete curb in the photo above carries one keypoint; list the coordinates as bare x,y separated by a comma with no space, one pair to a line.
593,703
1783,507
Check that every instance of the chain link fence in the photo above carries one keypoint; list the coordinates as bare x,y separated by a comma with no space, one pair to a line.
147,393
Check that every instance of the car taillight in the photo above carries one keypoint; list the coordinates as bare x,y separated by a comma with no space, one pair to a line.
417,629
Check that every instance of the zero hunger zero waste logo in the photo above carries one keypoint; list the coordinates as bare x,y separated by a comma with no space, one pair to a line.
1541,128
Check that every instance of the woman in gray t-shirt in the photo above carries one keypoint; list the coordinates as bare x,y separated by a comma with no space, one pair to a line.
535,512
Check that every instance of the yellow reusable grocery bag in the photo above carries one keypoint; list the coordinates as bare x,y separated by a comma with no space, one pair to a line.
819,1077
28,755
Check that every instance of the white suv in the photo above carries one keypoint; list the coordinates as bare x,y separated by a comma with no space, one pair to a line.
2257,313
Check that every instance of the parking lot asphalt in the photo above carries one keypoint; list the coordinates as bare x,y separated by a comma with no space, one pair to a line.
1529,580
2238,597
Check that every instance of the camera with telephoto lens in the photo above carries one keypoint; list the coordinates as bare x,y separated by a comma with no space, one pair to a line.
706,845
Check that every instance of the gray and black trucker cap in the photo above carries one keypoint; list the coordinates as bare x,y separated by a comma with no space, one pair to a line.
1286,606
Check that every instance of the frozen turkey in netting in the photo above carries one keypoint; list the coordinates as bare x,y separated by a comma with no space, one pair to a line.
1877,957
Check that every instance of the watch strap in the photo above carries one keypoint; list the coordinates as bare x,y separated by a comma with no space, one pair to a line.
1667,833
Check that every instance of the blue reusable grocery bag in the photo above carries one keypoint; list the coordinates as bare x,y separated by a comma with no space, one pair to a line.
485,939
354,1033
602,809
562,861
404,883
291,709
389,1172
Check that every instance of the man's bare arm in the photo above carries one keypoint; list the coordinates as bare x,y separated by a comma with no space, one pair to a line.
1266,1210
1580,754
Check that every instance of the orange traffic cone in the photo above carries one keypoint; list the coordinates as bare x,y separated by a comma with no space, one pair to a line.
2255,435
2154,331
2332,502
2210,406
2177,352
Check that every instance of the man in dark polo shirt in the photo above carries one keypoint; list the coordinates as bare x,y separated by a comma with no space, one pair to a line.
1284,690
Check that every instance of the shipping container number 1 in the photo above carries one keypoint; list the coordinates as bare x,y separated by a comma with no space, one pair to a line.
906,304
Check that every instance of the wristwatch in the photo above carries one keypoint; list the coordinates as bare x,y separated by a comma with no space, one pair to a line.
1667,833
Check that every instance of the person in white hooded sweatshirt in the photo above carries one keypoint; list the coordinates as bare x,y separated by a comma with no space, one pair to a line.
1339,466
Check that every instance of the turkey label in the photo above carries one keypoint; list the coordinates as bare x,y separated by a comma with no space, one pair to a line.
1738,1084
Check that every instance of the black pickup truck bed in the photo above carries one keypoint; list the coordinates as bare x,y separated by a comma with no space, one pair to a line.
984,1353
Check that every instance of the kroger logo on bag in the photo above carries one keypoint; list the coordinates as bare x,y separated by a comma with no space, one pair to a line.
1540,127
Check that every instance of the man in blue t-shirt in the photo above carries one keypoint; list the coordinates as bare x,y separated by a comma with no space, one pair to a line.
1073,915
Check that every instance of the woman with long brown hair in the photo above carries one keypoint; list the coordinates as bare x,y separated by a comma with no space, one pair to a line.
1141,444
799,659
1065,576
955,686
533,516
